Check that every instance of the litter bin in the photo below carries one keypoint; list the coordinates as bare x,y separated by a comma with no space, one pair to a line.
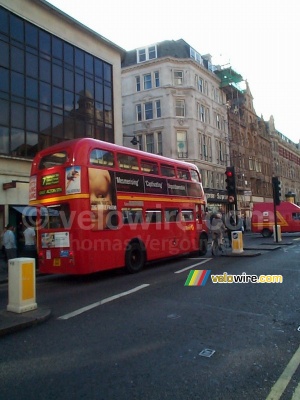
278,233
237,241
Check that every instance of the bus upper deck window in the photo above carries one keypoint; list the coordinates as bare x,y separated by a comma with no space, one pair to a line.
195,175
102,157
54,159
149,167
167,170
183,174
127,162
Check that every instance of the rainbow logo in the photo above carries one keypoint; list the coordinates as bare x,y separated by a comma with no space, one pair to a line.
197,277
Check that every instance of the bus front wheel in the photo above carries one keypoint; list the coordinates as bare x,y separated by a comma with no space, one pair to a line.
135,257
202,245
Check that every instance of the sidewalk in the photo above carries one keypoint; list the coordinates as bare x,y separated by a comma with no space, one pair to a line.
12,322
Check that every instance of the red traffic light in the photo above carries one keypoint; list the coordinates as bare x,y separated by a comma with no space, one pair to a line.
229,173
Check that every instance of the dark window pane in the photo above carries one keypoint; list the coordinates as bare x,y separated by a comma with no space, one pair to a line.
79,83
57,97
31,89
68,100
57,125
89,64
107,72
4,112
69,128
31,35
89,86
99,68
45,93
32,119
68,53
17,59
57,72
4,79
69,79
45,122
17,142
57,47
107,95
3,21
31,65
45,70
79,57
99,112
31,141
4,51
17,84
17,28
17,115
45,44
98,91
4,140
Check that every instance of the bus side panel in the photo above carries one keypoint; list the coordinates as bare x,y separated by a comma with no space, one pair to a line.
263,217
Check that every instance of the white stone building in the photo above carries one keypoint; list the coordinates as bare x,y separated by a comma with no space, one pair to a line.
173,106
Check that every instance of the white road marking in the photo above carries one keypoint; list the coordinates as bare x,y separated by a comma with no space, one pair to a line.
101,302
192,266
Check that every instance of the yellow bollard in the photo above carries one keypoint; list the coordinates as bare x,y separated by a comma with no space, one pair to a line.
237,242
21,285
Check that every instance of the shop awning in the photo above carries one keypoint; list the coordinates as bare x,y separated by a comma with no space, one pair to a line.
29,211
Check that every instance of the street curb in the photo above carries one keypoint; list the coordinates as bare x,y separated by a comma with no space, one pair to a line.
261,247
243,254
12,322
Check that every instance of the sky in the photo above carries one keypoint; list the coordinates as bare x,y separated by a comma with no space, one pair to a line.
259,39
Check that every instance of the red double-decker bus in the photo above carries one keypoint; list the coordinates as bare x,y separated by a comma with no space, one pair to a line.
103,206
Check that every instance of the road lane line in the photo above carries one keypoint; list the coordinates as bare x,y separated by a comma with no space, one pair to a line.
101,302
192,266
296,395
285,377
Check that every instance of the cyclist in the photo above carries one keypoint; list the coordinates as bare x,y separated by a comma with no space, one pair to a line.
218,229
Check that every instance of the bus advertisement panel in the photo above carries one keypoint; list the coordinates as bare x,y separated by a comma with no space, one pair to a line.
103,206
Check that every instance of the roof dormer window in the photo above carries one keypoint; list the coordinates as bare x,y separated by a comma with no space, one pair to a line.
147,53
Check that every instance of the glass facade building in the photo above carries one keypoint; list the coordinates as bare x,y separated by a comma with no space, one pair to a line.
50,90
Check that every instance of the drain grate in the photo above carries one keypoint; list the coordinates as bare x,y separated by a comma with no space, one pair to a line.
207,353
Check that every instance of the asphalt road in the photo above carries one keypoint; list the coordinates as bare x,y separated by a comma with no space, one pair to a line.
118,336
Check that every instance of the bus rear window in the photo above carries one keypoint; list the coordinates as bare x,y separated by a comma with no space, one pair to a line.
56,216
52,160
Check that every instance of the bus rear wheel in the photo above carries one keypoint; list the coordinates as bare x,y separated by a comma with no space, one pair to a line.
266,233
135,257
202,245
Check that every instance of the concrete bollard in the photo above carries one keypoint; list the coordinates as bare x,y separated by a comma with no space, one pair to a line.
279,237
21,285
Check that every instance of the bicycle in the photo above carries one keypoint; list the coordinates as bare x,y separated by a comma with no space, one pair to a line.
219,245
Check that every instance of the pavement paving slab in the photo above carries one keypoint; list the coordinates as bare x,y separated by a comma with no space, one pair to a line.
12,322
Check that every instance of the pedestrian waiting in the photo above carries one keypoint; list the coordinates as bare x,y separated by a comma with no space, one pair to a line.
9,242
30,242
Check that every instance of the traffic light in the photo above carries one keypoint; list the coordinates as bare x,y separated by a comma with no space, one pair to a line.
276,190
230,184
